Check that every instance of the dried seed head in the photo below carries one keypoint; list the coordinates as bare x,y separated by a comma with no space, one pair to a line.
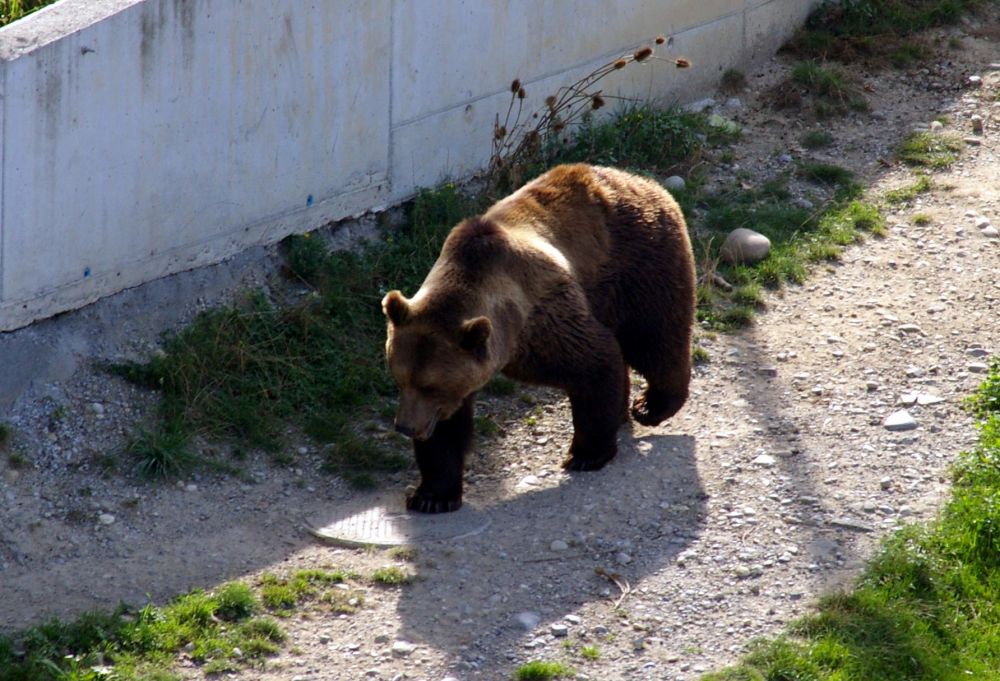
520,93
596,102
500,132
559,125
660,40
620,64
643,53
550,101
682,63
516,85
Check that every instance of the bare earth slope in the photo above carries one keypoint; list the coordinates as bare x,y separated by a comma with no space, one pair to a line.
772,486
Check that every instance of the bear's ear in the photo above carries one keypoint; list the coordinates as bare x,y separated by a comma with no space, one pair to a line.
395,307
475,332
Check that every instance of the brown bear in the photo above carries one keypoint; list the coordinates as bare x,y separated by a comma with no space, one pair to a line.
578,275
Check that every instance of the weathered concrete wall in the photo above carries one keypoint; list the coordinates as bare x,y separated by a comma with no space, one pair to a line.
143,137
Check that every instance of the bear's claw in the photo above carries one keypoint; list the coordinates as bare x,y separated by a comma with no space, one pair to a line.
421,502
653,408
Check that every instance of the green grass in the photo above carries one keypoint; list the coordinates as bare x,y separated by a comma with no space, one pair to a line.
12,10
590,653
908,193
538,670
835,92
799,238
876,30
927,608
930,150
391,575
226,630
6,433
816,139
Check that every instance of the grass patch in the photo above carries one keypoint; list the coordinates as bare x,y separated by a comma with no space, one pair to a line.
835,92
908,193
733,81
816,139
391,576
874,30
12,10
799,237
930,150
590,653
6,433
539,670
927,608
921,219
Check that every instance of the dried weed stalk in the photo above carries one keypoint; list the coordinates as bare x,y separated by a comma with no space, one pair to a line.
519,139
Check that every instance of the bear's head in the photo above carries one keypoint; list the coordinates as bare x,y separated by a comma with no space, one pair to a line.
436,367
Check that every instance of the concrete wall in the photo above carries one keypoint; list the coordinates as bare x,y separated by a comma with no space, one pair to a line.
144,137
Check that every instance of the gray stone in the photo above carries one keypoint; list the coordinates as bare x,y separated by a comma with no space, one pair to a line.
990,232
937,126
558,545
744,246
899,421
700,105
403,648
982,222
559,630
977,367
527,620
765,460
674,183
977,124
105,519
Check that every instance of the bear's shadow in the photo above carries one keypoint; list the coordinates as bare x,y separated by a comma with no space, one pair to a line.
540,556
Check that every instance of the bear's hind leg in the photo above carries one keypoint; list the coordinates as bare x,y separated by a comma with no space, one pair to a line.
665,363
441,460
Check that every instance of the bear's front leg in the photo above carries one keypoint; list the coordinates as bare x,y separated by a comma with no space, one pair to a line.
441,460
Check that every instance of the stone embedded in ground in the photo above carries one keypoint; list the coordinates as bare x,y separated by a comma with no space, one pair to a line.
527,620
982,222
908,399
977,124
937,126
990,232
105,519
403,648
744,246
925,399
674,183
765,460
977,367
558,545
559,630
899,421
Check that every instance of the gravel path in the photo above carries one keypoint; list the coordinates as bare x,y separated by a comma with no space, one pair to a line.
771,487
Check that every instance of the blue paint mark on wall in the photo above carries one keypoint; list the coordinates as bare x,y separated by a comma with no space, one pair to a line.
86,272
309,200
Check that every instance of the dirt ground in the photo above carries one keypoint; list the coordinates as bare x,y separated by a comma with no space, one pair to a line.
771,487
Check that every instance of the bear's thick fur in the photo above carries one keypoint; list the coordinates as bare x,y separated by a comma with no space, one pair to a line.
577,276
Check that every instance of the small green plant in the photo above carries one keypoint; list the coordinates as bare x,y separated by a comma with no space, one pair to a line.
486,426
908,53
391,576
815,139
539,670
404,553
929,149
590,653
921,219
826,173
835,91
909,192
161,453
733,81
700,355
501,386
12,10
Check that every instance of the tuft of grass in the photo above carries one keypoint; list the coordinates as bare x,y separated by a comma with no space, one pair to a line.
162,453
834,90
874,30
826,173
501,386
12,10
929,149
733,81
404,553
815,139
921,219
590,653
909,192
927,608
391,576
6,433
539,670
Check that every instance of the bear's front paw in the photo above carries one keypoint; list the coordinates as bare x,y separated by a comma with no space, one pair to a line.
586,459
422,501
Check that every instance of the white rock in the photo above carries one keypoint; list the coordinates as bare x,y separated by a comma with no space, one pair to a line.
977,367
937,126
674,183
982,222
990,232
700,105
925,399
623,558
908,399
105,519
403,648
899,420
558,545
765,460
559,630
744,246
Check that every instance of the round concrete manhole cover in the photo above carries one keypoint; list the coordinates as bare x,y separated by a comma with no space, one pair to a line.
382,521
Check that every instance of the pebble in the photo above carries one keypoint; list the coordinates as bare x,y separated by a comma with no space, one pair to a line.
975,81
105,519
911,328
899,421
937,126
990,232
982,222
558,545
623,558
403,648
559,630
765,460
977,367
977,124
674,183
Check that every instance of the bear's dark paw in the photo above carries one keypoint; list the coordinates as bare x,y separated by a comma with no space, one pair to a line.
593,461
652,407
425,502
